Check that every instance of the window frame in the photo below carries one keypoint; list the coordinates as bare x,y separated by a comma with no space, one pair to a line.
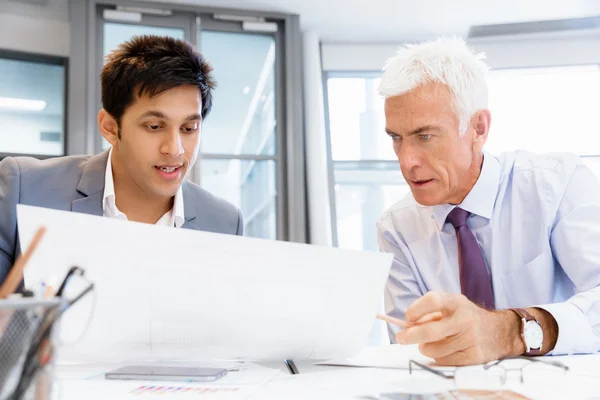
279,197
49,60
326,75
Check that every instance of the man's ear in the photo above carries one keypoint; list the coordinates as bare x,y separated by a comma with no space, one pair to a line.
481,123
109,128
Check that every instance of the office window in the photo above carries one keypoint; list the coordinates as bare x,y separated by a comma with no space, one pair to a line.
546,110
32,104
366,174
239,143
536,109
250,184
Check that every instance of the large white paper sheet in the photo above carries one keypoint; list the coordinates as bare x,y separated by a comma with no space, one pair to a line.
164,292
390,356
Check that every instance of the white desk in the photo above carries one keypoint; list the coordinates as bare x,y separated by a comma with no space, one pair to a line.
329,382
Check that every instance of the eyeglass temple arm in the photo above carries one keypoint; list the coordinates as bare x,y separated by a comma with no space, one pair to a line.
557,364
80,295
429,369
72,271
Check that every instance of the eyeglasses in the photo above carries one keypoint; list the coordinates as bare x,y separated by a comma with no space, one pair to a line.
494,375
73,291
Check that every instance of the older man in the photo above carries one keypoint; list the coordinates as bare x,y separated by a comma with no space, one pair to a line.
500,255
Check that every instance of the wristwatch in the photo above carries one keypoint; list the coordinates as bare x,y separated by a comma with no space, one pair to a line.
531,332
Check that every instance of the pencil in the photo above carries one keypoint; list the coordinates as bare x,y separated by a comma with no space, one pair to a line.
434,316
15,276
393,321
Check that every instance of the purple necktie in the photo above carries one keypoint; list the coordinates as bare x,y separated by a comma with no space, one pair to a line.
475,281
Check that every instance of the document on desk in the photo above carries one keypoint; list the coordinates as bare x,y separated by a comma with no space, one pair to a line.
97,390
86,381
163,292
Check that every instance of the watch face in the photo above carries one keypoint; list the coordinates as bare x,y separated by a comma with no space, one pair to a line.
533,335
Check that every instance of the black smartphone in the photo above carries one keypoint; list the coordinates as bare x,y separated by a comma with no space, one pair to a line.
166,373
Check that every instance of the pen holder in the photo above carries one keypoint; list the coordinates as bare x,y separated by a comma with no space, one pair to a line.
27,347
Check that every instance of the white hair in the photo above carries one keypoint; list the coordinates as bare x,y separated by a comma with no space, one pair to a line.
447,61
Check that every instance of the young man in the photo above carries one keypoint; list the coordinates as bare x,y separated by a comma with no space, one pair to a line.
501,253
155,92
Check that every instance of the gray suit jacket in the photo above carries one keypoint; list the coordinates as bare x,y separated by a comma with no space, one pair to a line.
76,183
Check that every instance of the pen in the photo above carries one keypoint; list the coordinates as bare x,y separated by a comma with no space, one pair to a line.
292,367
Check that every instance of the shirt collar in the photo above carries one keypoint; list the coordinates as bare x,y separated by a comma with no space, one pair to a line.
480,200
178,213
109,201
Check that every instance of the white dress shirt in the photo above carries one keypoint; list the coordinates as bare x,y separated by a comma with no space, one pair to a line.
537,221
175,217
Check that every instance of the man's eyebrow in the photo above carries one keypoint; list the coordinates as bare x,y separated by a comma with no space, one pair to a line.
161,115
417,131
151,113
424,128
194,117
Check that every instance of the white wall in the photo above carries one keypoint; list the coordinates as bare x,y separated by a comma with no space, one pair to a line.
539,52
514,52
35,29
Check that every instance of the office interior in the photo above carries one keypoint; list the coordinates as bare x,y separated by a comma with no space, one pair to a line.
296,137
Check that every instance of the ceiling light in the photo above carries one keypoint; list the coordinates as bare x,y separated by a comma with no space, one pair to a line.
246,90
12,104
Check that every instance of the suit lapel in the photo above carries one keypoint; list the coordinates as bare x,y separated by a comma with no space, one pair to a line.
91,186
89,205
188,208
189,225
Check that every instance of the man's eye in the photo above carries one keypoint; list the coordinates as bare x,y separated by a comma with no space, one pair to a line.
425,137
153,127
395,138
190,128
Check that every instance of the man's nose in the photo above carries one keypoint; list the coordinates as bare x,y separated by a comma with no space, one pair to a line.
172,144
409,158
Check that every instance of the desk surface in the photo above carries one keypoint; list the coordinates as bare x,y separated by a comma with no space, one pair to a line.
330,382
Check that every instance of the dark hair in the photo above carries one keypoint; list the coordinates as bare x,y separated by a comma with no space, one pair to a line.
150,65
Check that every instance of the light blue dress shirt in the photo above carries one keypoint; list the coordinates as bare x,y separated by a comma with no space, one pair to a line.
537,221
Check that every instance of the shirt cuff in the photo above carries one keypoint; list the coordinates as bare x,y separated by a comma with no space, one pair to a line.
575,335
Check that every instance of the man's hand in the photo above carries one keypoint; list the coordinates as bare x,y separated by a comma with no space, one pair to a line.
465,333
